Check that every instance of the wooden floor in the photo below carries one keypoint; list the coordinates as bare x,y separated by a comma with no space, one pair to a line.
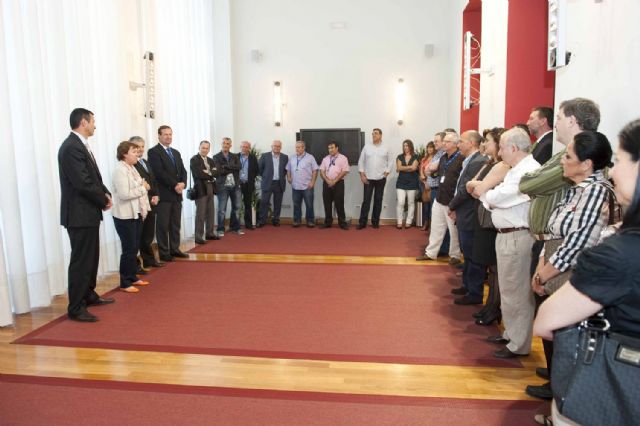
260,373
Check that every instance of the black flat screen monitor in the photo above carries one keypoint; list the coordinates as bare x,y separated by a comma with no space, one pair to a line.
350,141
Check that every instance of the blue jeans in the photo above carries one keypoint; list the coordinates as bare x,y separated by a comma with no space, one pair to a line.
223,195
473,273
298,195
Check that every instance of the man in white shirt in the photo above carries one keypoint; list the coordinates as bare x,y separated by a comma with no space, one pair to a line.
509,212
374,166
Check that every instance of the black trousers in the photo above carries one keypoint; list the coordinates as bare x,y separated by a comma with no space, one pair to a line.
129,232
331,195
378,187
146,238
547,345
83,268
265,198
168,227
247,198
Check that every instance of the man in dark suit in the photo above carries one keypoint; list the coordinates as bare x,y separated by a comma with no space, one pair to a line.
83,198
149,225
463,209
248,172
171,175
272,167
540,125
204,172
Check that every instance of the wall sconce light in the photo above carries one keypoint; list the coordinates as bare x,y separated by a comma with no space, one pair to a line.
401,97
277,103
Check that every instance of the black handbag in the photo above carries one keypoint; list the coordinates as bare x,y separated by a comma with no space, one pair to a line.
484,217
192,192
596,374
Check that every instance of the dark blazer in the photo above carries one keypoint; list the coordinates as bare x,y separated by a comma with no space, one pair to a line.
542,152
252,171
149,177
167,175
463,203
83,195
265,168
200,178
225,167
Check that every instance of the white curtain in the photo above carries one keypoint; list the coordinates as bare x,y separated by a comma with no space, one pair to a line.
59,55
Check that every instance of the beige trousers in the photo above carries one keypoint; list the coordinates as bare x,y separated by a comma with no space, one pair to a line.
513,251
440,221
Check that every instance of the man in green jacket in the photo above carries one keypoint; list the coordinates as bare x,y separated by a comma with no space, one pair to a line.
547,187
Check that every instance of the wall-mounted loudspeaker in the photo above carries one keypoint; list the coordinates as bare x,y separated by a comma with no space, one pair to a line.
256,55
428,50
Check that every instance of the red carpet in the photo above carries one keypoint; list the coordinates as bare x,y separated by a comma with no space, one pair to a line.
385,241
50,401
327,312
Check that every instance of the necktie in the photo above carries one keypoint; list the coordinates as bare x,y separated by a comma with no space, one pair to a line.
173,159
144,165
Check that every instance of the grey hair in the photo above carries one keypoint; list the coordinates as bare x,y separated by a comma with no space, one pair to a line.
517,137
135,139
304,145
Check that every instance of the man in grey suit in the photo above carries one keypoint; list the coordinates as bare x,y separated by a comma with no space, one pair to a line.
463,209
272,167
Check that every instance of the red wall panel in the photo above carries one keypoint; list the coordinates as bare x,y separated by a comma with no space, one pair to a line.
529,84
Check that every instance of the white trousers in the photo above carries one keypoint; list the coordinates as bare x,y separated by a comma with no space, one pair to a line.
440,221
402,195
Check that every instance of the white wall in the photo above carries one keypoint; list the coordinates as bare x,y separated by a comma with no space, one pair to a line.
605,44
493,86
341,78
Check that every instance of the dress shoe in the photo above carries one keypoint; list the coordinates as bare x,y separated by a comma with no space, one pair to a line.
83,317
480,313
130,289
497,339
542,392
344,227
180,254
166,258
424,257
460,291
325,226
468,300
375,226
505,353
489,319
141,271
296,224
542,372
398,226
199,241
360,226
141,283
250,227
276,224
212,237
259,225
454,261
101,301
156,264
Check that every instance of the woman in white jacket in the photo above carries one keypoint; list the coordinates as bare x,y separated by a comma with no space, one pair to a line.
130,207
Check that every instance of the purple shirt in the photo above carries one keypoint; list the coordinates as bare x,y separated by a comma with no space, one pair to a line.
301,169
333,166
